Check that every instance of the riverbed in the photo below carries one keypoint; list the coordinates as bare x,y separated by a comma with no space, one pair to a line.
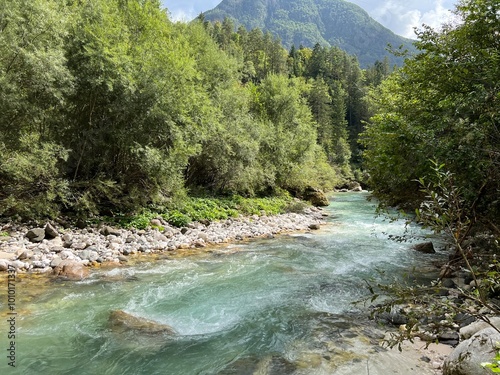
283,305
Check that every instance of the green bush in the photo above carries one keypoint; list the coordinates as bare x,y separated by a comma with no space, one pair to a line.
31,185
176,218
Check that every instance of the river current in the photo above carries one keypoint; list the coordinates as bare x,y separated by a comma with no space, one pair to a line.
268,306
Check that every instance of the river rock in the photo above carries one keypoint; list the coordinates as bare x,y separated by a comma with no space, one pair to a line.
424,247
200,243
56,243
395,317
107,230
4,265
18,264
120,321
50,231
467,357
314,226
71,270
79,245
88,255
449,338
107,244
25,254
36,234
203,236
55,261
355,186
66,254
7,256
155,223
470,330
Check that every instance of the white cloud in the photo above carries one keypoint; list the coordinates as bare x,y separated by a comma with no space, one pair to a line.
402,16
437,16
397,17
184,15
186,10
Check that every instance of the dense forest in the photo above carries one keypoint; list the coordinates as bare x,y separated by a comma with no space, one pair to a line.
108,106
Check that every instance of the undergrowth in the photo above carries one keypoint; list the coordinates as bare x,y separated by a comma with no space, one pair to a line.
191,209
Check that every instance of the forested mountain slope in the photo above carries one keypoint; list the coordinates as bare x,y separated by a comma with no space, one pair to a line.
307,22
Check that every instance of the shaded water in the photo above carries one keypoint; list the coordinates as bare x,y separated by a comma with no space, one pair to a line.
274,306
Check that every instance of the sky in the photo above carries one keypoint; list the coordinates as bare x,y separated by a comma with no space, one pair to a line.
400,16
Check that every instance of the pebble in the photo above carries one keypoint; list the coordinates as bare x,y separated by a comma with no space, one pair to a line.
89,246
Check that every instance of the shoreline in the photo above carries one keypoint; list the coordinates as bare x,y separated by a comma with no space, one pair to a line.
71,253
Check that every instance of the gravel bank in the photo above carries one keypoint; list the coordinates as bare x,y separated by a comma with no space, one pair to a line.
60,251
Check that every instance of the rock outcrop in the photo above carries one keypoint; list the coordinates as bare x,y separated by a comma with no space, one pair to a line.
316,197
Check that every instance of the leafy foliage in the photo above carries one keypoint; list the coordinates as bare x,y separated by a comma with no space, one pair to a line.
109,108
495,365
30,179
443,211
181,212
442,106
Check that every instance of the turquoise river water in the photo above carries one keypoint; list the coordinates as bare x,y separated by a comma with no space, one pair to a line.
269,306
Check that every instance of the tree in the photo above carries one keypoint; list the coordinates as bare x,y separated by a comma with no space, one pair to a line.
289,152
34,82
329,113
34,79
139,111
442,105
374,75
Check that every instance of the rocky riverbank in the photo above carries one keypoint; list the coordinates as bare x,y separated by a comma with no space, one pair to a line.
69,253
451,312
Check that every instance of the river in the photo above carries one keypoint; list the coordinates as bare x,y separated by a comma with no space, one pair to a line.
268,306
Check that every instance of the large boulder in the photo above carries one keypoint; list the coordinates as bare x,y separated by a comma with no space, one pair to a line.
71,270
316,197
355,186
471,329
120,321
467,357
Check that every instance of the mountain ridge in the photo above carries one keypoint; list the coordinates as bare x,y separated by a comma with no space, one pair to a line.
307,22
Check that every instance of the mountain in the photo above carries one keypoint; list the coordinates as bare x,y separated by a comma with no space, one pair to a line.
307,22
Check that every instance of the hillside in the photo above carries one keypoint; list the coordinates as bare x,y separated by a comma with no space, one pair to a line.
307,22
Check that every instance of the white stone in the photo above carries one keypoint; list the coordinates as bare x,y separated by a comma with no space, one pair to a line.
468,331
467,357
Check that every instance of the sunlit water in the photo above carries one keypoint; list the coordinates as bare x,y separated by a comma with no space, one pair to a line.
251,308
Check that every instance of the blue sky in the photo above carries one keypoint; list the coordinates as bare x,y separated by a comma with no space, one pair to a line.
401,16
